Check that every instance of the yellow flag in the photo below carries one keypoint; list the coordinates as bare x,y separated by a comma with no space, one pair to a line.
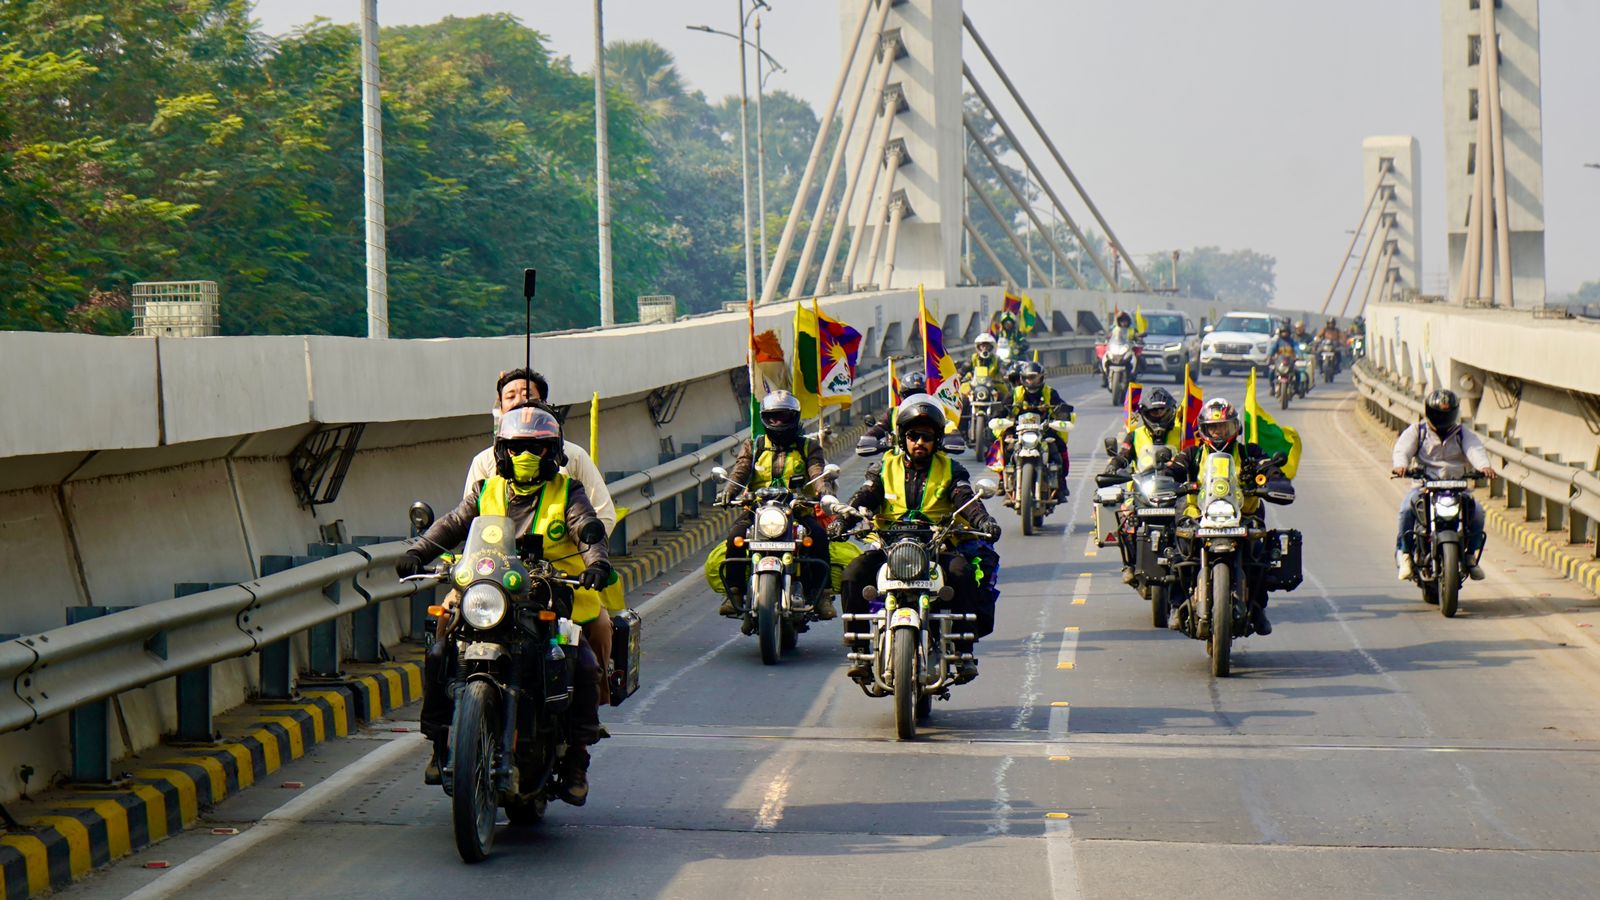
1139,323
594,428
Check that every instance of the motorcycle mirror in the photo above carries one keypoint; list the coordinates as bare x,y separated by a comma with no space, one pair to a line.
593,532
954,443
830,470
829,501
421,516
1111,446
1163,455
869,446
1280,458
719,471
987,487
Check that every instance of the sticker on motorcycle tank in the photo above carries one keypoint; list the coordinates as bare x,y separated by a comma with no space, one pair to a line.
492,534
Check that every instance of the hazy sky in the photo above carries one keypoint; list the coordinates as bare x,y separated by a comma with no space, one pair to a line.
1236,123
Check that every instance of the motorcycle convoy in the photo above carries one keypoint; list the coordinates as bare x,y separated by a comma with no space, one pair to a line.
1189,523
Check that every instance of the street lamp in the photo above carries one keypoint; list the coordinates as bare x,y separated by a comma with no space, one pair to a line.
744,133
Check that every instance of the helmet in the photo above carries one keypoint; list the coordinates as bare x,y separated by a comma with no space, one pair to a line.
529,427
1219,423
1443,411
913,383
1159,411
984,344
1283,331
919,412
1032,375
1124,320
1008,318
780,416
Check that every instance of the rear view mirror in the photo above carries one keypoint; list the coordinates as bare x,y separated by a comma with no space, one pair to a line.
954,444
870,446
1163,455
1280,459
1111,446
719,471
421,516
830,470
987,487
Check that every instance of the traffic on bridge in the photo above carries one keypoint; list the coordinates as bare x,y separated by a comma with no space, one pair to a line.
996,558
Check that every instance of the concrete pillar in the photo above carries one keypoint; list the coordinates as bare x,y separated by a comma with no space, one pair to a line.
1402,157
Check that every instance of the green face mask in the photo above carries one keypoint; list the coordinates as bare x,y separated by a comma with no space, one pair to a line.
525,467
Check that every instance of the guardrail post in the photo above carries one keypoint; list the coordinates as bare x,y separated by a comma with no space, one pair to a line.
1555,508
323,640
1532,503
691,497
668,505
709,487
89,726
364,644
619,534
194,686
277,676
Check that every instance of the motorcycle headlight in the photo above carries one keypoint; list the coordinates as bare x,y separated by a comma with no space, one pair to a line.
483,606
771,524
1221,510
1447,508
908,561
1030,438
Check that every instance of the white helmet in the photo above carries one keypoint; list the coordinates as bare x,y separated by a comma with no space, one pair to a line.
985,339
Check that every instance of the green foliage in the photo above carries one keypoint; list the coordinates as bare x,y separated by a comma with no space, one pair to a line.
147,140
1239,277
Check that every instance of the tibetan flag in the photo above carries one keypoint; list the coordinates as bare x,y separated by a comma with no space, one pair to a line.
807,362
939,368
1022,308
1259,428
1135,393
894,387
840,346
767,374
1193,399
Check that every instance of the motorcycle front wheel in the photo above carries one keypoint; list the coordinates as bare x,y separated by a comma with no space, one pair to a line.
1026,476
1119,388
903,663
1221,620
980,428
1449,579
472,798
768,594
1283,396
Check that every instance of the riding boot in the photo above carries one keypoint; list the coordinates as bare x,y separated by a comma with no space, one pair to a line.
1258,619
575,775
434,772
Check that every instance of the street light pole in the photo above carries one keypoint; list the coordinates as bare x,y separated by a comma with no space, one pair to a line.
744,159
372,165
761,158
602,169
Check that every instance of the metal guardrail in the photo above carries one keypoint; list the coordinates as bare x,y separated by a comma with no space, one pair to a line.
54,672
1569,495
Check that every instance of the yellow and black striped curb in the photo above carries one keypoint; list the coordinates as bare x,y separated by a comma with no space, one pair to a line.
1558,556
664,550
77,830
1549,547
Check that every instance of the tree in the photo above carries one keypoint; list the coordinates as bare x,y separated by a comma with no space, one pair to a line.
1241,277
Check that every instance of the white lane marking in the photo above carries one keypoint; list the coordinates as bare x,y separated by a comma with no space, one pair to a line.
644,702
777,771
1000,812
1065,881
281,819
771,811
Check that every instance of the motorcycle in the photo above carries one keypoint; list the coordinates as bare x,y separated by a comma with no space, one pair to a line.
1358,346
914,648
1223,554
1438,557
775,600
1033,463
984,401
1327,359
1302,368
1120,365
515,664
1145,503
1284,378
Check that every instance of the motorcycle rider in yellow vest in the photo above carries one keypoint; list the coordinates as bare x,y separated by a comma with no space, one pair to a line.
527,487
782,457
1033,395
917,479
1155,427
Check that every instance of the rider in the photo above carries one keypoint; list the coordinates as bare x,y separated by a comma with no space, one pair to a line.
1157,418
1034,396
1220,430
782,457
1285,345
917,479
1443,450
1122,331
985,365
527,487
910,383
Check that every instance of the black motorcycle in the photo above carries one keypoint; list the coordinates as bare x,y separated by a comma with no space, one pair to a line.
1439,561
1145,500
515,661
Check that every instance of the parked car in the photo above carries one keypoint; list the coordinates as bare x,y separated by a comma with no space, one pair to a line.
1239,342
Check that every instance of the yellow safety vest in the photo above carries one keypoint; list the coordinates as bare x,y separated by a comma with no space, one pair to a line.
549,522
1144,446
794,464
936,505
982,373
1047,398
1248,504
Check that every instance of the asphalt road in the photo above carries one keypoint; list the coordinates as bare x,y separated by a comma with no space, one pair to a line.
1369,747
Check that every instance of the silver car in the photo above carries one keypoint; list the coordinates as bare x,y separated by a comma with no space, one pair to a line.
1170,343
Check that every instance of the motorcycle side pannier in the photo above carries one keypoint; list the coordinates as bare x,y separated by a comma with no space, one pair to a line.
624,656
1283,573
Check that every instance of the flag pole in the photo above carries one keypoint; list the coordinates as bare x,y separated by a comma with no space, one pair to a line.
922,327
1250,403
750,359
816,312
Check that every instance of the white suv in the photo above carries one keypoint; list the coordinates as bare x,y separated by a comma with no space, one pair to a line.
1239,342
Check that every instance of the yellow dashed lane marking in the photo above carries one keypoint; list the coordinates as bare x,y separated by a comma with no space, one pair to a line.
1060,704
1058,815
1079,601
1060,758
1066,665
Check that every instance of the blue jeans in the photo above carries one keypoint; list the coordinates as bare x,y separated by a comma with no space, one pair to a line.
1408,519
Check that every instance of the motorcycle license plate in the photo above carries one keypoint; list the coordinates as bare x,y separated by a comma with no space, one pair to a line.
1446,485
1157,512
1220,532
772,546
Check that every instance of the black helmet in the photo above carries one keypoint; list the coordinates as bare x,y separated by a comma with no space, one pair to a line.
1443,410
919,411
1031,375
529,427
1124,319
1283,331
1159,411
780,416
913,383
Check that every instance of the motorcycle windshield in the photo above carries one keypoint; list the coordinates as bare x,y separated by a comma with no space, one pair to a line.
491,555
1029,420
1220,480
1117,345
1004,352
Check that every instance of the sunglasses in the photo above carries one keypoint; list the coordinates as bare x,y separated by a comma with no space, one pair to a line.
537,448
921,437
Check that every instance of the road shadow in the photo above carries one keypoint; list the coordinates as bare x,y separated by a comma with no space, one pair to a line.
1091,719
1431,656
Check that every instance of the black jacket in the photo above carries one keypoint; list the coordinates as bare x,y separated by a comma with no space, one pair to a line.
870,494
744,466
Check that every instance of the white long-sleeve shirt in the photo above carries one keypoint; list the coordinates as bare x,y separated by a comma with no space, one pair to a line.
1447,458
579,465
